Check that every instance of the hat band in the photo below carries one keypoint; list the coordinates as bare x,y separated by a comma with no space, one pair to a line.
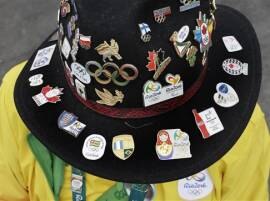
143,112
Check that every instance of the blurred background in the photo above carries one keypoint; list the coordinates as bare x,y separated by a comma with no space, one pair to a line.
26,23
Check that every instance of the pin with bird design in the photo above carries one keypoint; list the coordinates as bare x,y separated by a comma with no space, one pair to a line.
107,50
107,98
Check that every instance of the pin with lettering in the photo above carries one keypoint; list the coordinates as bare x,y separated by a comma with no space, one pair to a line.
160,14
189,4
178,38
80,72
145,32
80,88
48,95
107,50
195,187
173,144
66,48
123,146
232,44
70,124
36,80
157,62
235,67
208,122
94,147
226,95
85,41
43,57
203,34
107,98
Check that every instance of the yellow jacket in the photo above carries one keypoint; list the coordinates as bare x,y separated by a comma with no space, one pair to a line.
241,174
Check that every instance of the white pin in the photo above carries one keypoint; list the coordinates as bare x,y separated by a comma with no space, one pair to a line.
80,88
80,72
232,44
226,95
235,67
66,48
36,80
183,34
208,122
43,57
195,187
94,147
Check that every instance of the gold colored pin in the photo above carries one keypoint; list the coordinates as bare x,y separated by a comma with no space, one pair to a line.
123,146
107,51
107,98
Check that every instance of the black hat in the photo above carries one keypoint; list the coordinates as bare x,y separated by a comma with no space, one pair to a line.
142,91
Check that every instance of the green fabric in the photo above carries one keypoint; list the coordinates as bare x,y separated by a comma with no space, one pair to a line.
52,166
116,193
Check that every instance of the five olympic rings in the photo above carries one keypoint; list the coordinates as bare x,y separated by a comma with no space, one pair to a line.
103,75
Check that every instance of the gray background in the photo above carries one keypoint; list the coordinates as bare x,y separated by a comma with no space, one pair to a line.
26,23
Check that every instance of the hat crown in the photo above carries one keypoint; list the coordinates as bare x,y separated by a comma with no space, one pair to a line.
116,38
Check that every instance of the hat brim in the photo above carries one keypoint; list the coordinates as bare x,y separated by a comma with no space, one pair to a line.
144,165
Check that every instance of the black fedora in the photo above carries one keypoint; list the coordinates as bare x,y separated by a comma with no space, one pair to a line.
104,66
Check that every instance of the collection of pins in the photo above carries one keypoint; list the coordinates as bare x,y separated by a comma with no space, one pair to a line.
170,143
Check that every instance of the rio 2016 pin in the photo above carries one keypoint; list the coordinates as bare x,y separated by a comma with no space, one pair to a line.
48,95
226,95
123,146
94,147
235,67
36,80
173,144
70,124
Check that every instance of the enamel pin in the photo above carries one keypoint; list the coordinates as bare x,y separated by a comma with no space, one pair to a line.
43,57
235,67
145,32
160,14
178,39
36,80
189,4
65,9
66,48
75,45
80,88
70,124
80,72
154,93
191,55
173,144
94,147
226,95
123,146
208,122
107,51
195,187
203,34
85,41
107,98
157,62
48,95
231,44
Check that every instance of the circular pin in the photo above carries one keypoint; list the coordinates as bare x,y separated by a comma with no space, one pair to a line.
183,34
94,147
225,96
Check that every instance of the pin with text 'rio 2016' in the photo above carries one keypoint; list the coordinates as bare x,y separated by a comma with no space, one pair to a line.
145,32
160,14
70,124
123,146
235,67
36,80
226,95
94,147
48,95
208,122
173,144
